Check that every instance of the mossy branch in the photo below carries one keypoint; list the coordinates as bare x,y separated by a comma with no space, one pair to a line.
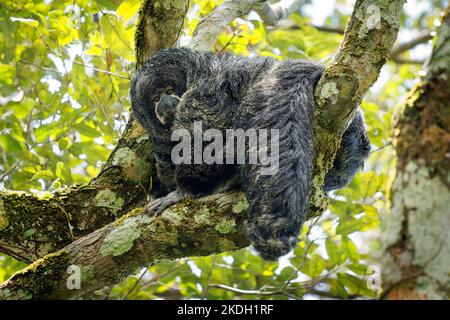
190,228
368,41
32,225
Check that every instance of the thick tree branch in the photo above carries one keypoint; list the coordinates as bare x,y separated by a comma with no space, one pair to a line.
159,26
33,226
104,257
368,40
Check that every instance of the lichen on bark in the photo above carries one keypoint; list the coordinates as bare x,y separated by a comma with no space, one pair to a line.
417,242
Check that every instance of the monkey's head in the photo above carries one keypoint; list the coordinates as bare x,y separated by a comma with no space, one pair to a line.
165,105
157,88
354,150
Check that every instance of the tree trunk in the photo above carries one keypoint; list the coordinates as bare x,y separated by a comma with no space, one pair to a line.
417,241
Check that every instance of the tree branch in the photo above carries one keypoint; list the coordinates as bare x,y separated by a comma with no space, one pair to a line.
368,40
212,25
272,13
33,226
423,37
190,228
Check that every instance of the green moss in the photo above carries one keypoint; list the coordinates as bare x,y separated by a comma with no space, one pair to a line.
24,294
121,239
226,245
135,132
3,218
132,166
124,156
143,137
330,91
172,216
133,213
5,294
369,12
415,226
203,216
108,199
167,236
241,206
225,226
87,274
41,279
171,4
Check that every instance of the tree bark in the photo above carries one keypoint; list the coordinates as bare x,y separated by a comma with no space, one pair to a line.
417,241
104,257
368,40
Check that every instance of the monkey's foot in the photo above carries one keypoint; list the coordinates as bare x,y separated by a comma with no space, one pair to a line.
159,205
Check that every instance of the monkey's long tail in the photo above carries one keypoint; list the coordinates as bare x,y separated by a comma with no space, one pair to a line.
278,201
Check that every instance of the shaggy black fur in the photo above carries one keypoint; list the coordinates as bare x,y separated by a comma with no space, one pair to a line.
225,91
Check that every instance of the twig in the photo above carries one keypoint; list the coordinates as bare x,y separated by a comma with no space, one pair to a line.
272,13
423,37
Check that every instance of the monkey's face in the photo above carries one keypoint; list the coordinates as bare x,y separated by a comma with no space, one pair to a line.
155,94
165,105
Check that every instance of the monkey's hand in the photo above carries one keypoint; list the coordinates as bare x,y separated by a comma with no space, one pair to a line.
159,205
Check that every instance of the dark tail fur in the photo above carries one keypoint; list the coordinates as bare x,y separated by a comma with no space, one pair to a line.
278,202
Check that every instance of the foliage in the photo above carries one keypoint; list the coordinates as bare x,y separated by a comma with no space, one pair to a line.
65,74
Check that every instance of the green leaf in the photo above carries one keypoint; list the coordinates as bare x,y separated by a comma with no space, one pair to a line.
350,249
87,130
43,174
337,289
7,73
349,226
94,51
314,266
355,285
128,9
287,273
61,171
333,251
358,269
9,144
28,233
